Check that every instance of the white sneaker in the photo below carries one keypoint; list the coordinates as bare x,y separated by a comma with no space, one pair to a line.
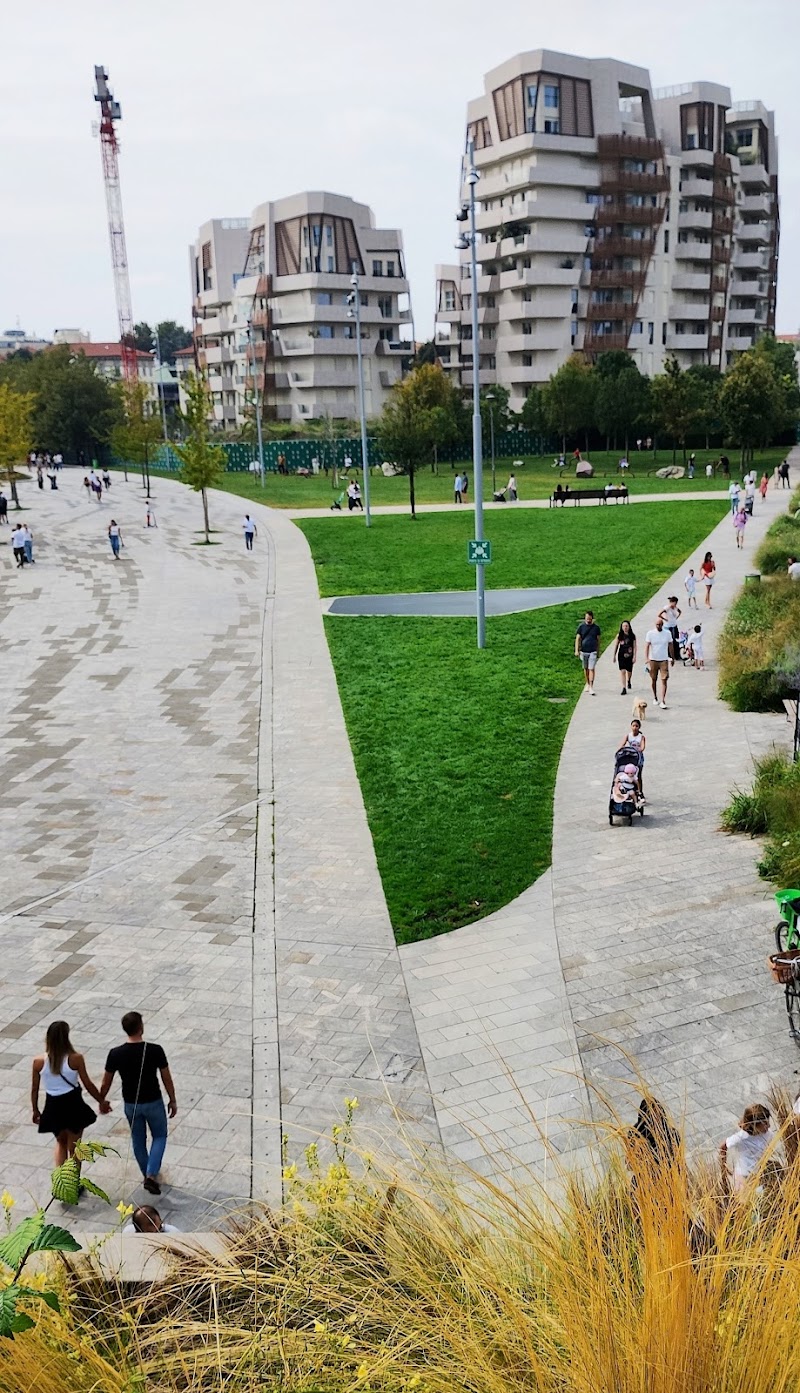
663,706
592,692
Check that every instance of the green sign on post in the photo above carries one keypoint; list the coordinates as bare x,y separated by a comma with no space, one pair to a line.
479,553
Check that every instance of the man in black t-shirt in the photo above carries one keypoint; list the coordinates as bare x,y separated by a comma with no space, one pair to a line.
139,1063
587,647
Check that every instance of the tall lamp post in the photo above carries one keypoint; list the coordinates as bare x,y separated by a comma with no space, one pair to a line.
470,239
490,396
256,401
161,386
354,301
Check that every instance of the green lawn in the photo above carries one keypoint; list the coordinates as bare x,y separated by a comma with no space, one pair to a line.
536,479
456,749
559,546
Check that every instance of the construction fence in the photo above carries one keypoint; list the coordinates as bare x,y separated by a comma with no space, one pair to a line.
320,456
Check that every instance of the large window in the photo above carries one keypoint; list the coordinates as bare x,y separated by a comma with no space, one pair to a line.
550,94
551,127
325,331
385,306
377,268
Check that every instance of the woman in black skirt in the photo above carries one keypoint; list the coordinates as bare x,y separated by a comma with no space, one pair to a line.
625,653
61,1071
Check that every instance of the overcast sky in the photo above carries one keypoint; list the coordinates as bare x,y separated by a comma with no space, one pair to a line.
226,105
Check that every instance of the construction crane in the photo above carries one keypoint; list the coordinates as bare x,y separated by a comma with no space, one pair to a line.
110,113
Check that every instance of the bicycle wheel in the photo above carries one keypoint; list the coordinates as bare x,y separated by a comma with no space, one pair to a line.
792,993
782,936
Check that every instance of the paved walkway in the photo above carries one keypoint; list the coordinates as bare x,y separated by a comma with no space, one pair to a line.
687,495
184,834
649,940
460,603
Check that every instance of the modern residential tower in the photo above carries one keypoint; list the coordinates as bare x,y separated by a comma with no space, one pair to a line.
276,318
611,217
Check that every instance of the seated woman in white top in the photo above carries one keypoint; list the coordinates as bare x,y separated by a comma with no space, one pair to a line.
146,1219
742,1153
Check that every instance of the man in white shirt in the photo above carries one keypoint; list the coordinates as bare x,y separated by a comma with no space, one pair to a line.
18,544
458,484
250,530
348,464
794,568
657,657
733,494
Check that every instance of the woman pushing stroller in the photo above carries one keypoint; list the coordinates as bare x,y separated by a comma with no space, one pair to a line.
636,740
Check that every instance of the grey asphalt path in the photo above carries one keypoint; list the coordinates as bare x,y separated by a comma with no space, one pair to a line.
461,603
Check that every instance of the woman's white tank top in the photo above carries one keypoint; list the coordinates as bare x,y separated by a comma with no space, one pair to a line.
58,1084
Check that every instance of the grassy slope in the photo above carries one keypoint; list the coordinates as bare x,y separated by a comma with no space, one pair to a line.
457,750
536,479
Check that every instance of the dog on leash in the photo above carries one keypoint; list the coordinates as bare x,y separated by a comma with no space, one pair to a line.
639,708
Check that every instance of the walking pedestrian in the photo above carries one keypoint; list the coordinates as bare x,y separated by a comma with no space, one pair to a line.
458,485
58,460
625,653
115,537
87,484
3,509
671,614
97,488
733,495
511,487
39,477
691,464
783,474
28,544
53,477
657,657
708,574
106,480
18,545
250,531
695,646
464,484
139,1063
635,738
587,647
742,1153
740,523
150,517
60,1071
690,586
764,485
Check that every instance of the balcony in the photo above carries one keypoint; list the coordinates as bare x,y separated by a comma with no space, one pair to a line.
697,188
688,342
542,336
750,260
740,342
615,245
717,314
693,251
604,343
692,280
754,232
615,279
754,176
723,193
722,223
755,316
611,309
757,203
219,355
630,181
628,147
688,309
695,218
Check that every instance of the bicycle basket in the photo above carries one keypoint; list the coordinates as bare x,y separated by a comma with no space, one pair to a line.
785,967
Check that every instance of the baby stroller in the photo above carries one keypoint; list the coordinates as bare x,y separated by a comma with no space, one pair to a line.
628,755
499,496
683,647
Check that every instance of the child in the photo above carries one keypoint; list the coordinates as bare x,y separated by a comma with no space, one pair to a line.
764,485
690,585
740,523
696,647
625,784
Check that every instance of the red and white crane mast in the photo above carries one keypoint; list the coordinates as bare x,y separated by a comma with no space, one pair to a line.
110,113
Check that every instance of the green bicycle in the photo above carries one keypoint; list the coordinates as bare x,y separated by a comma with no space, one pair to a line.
787,942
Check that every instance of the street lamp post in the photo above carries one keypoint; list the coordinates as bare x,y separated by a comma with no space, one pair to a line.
470,240
256,401
491,397
161,386
354,300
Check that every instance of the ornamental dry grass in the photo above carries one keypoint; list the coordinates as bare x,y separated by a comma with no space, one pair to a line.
641,1279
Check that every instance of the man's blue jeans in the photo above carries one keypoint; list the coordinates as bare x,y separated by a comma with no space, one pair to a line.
141,1116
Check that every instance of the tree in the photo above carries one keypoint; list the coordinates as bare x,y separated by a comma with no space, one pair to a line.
420,416
783,363
171,337
622,400
75,407
569,398
751,401
16,412
425,355
202,462
135,437
532,414
710,379
679,399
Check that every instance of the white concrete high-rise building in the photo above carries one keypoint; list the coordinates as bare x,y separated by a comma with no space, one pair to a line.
288,275
611,217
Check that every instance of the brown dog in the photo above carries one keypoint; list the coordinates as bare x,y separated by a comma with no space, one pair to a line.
639,708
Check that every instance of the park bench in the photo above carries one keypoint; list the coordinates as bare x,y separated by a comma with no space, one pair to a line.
617,495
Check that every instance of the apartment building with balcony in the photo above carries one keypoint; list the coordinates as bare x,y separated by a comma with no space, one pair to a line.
294,263
611,217
216,260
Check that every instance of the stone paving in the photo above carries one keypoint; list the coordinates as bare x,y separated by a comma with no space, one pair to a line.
461,603
649,941
680,495
166,716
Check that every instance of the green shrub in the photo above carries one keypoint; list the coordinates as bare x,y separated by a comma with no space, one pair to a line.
781,541
745,813
780,862
758,652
